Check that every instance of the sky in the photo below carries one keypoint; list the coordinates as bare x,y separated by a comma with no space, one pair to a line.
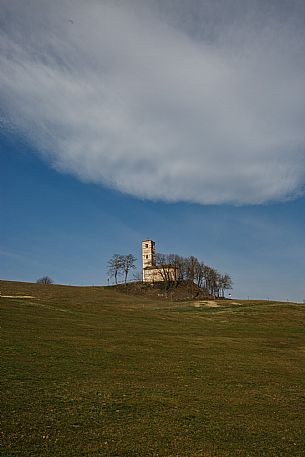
177,121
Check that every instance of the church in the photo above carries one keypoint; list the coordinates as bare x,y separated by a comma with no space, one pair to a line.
151,271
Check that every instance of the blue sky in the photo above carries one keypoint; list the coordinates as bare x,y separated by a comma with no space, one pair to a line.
180,121
56,225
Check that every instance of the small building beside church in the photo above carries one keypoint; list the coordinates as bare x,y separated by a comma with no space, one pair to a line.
151,271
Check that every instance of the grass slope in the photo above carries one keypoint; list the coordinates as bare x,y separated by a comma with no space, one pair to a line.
91,371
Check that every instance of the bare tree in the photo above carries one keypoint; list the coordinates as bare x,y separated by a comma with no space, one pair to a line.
115,265
211,280
192,268
225,283
162,263
44,280
128,263
177,264
199,273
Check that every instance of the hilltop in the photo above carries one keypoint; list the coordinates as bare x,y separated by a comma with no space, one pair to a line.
181,291
100,372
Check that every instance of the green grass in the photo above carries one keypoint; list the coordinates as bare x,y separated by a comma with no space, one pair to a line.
91,371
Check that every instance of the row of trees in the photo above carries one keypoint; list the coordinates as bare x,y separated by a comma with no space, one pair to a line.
121,265
175,268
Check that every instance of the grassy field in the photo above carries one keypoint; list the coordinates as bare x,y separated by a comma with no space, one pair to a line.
91,371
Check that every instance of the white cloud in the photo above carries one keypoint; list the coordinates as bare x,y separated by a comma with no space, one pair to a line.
117,94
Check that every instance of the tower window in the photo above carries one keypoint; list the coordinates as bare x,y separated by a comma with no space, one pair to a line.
147,256
146,245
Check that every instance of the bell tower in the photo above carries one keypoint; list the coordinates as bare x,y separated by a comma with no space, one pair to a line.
148,253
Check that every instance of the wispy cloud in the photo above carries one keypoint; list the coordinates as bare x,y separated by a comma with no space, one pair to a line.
135,97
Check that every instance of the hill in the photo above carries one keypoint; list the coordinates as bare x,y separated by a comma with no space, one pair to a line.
182,291
95,371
